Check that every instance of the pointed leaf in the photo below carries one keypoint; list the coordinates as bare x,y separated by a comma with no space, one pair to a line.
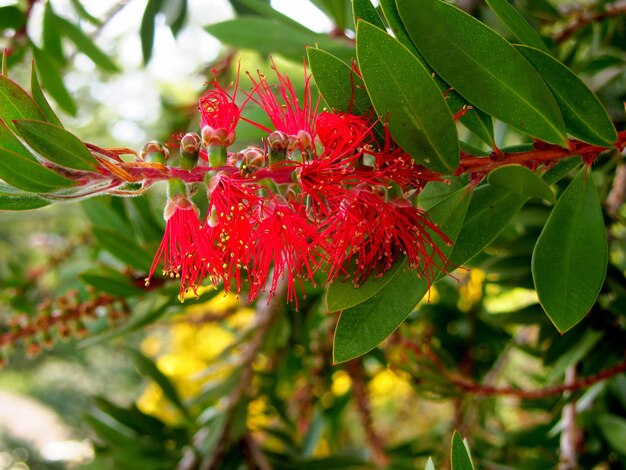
363,327
147,29
613,428
57,145
364,10
522,181
516,23
459,454
123,248
339,84
570,258
51,36
15,103
483,68
585,117
13,200
40,99
29,175
9,141
404,93
50,73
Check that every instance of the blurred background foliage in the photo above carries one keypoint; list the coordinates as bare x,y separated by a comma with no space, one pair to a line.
133,379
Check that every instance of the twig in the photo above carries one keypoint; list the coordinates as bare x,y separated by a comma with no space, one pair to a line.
585,18
570,434
255,455
361,398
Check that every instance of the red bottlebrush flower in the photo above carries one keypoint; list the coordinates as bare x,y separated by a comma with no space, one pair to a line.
284,109
342,132
286,241
219,112
370,234
228,230
179,246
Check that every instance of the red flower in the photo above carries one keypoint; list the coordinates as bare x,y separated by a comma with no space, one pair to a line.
284,109
341,132
179,246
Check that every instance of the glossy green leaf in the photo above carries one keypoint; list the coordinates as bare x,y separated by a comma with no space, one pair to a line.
404,93
110,281
40,99
363,327
364,10
147,28
15,103
390,11
85,44
9,141
56,145
460,457
570,258
585,117
522,181
483,68
149,369
490,211
123,248
614,430
339,85
516,23
27,174
343,294
52,81
267,37
14,200
11,17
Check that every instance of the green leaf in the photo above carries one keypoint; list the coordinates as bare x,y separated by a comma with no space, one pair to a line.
57,145
147,29
404,93
364,10
13,200
585,117
85,44
460,457
149,369
83,13
177,16
40,99
614,430
490,211
263,8
51,36
340,86
267,37
483,68
12,17
363,327
338,10
27,174
570,258
522,181
123,248
343,294
516,23
52,81
110,281
9,141
15,103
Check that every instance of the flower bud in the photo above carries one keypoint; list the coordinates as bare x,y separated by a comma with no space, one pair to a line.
278,143
154,152
252,159
190,143
217,137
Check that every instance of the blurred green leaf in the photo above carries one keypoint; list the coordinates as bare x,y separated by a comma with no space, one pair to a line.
85,44
110,281
147,29
570,258
404,93
15,103
11,17
364,10
40,99
56,145
516,23
50,73
460,458
363,327
29,175
614,430
83,13
123,248
483,68
522,181
51,36
263,8
585,117
338,10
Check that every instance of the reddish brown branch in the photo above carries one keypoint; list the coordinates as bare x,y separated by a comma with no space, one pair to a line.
585,18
